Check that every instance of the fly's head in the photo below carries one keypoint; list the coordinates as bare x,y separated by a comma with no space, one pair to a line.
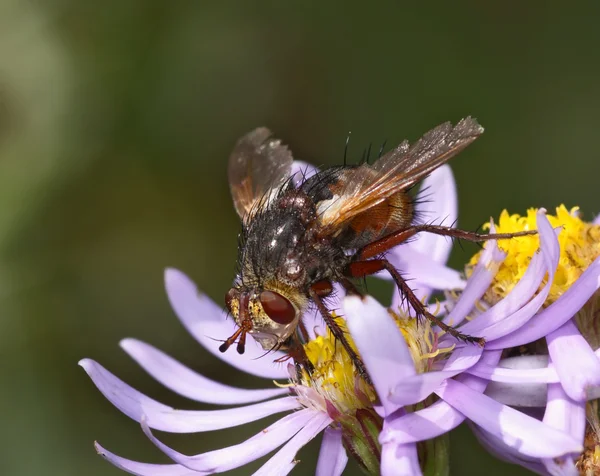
271,314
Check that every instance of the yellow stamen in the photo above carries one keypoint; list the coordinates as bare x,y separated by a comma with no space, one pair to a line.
334,376
579,245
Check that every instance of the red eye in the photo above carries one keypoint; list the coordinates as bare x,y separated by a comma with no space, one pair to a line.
277,307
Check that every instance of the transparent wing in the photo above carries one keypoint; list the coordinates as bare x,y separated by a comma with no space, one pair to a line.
258,165
369,185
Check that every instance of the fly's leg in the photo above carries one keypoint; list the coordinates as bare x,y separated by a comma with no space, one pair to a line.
317,292
382,245
359,269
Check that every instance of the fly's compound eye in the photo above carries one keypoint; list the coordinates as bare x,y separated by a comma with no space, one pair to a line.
278,308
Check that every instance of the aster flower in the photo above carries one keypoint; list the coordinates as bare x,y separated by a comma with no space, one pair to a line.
332,400
411,365
559,376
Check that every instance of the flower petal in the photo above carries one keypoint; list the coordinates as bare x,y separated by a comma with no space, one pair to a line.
506,453
225,459
424,272
497,325
332,456
302,171
208,323
520,431
438,200
515,300
525,395
434,420
282,462
399,460
143,469
184,381
412,389
574,360
523,370
555,315
380,344
480,280
566,415
161,417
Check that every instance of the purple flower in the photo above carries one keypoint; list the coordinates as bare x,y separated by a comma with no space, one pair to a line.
559,378
457,382
334,400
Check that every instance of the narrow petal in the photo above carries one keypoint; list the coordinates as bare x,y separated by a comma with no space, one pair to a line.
399,460
480,280
282,462
434,420
530,436
302,171
416,388
424,272
499,326
555,315
332,456
184,381
225,459
506,453
522,370
526,395
143,469
161,417
516,299
438,202
380,344
566,415
209,325
574,360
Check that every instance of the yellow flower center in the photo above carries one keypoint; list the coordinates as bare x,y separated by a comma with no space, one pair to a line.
579,245
335,377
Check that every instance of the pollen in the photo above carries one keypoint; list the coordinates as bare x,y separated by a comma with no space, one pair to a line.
335,377
579,245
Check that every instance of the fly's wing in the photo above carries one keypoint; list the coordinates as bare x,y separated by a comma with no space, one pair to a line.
258,166
369,185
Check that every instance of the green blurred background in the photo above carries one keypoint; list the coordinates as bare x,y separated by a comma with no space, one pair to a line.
116,120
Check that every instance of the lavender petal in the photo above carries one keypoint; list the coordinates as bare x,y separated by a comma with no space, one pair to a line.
184,381
575,362
438,201
555,315
143,469
490,260
332,456
425,274
412,389
161,417
434,420
566,415
282,462
380,344
530,436
499,326
506,453
208,324
225,459
522,370
399,460
302,171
